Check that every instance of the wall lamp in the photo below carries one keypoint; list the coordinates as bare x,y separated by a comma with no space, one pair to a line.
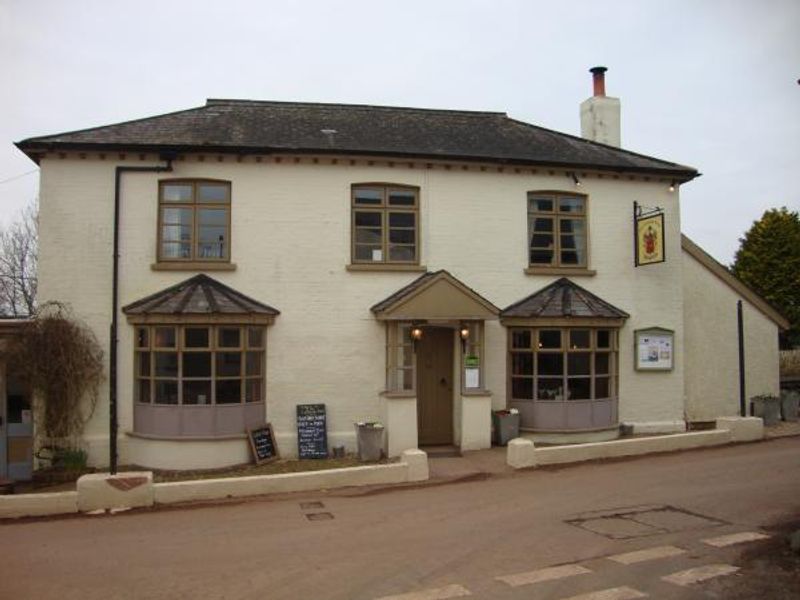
575,179
416,334
672,185
463,333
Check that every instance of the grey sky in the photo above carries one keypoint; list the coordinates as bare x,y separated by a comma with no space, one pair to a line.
708,83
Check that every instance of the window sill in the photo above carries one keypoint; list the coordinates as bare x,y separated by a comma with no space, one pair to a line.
399,395
187,438
476,392
385,267
574,271
193,266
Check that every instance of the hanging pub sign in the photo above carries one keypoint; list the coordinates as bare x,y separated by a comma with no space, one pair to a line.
649,234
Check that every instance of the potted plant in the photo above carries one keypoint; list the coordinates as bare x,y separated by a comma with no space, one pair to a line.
767,407
790,401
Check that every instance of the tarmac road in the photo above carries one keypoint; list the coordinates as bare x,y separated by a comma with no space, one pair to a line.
558,534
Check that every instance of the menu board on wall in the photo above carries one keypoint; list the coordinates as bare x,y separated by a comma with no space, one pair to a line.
312,431
654,349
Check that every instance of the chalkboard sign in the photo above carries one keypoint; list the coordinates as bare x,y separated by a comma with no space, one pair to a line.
312,435
262,443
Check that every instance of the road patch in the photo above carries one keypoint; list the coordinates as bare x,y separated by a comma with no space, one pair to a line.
630,558
443,593
698,574
548,574
735,538
618,593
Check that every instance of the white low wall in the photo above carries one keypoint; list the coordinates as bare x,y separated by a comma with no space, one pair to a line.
38,505
476,422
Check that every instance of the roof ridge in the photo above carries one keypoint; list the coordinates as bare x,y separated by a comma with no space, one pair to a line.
604,146
288,104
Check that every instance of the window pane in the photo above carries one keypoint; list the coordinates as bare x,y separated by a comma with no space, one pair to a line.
176,192
541,225
253,364
196,337
165,337
197,364
541,204
229,364
402,197
368,236
368,196
520,338
522,363
171,250
213,216
369,253
580,389
541,257
550,364
601,363
197,392
404,219
402,253
166,392
542,240
166,364
143,358
549,338
176,233
521,388
229,391
212,192
576,226
252,390
228,337
603,338
569,258
579,338
255,337
176,216
142,337
601,387
368,219
550,389
402,236
579,363
404,379
143,390
570,205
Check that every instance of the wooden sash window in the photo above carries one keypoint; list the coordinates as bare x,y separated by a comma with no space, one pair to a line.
385,224
194,221
557,230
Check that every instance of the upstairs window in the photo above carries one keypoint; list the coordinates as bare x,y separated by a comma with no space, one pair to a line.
194,221
385,222
557,233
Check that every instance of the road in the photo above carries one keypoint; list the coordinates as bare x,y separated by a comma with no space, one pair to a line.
497,538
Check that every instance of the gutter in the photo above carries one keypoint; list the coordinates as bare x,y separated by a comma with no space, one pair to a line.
113,340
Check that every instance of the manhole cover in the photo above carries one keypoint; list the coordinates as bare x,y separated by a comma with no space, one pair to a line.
311,505
320,516
640,521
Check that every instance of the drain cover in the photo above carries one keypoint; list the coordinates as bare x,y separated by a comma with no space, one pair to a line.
632,522
320,516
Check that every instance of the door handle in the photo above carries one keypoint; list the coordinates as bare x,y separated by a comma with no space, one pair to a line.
443,381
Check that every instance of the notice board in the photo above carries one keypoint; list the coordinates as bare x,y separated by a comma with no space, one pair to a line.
312,431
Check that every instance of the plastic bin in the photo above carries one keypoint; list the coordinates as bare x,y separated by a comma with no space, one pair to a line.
505,426
369,437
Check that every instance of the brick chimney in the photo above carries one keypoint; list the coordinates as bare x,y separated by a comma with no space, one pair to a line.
600,114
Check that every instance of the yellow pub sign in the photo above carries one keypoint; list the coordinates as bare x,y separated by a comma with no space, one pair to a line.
649,239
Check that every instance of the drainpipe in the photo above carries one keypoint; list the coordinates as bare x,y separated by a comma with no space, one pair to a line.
112,368
740,327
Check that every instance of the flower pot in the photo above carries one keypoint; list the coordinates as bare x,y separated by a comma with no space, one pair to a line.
766,407
790,402
369,437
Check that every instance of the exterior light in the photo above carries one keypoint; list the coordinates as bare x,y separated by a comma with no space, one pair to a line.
575,179
464,332
672,186
416,333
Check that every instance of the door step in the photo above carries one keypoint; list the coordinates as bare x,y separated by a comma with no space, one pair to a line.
441,451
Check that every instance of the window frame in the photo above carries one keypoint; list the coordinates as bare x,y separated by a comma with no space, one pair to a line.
194,205
397,344
557,216
384,208
564,350
213,348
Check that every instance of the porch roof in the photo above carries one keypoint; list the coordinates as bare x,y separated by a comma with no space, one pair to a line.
435,296
563,299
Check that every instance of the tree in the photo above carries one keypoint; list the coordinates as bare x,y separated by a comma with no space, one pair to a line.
18,258
768,260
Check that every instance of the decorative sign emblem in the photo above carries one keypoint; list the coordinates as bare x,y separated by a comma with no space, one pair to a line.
649,234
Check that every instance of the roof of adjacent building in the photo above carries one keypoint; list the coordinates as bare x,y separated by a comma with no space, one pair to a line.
250,127
560,299
199,295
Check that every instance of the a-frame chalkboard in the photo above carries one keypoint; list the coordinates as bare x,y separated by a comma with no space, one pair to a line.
262,443
312,431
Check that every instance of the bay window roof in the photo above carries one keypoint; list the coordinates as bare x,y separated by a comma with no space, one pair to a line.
564,300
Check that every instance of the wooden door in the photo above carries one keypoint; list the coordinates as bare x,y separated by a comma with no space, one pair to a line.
435,386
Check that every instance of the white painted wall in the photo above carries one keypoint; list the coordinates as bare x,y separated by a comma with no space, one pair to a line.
291,242
712,347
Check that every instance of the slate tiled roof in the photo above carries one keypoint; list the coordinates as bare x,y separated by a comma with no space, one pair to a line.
563,298
247,126
199,295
